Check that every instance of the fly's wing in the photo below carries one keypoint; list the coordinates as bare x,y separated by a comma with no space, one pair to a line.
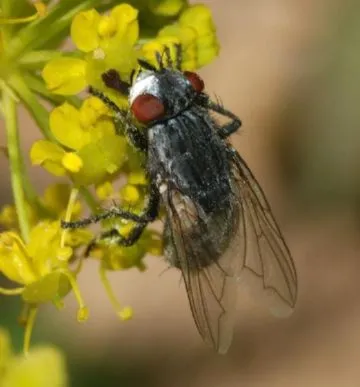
204,248
266,261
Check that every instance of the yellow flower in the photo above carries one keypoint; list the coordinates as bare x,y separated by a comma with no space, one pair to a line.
107,41
29,264
40,267
195,32
91,149
41,367
53,206
114,257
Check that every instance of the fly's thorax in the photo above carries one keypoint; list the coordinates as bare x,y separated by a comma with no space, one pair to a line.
169,86
186,152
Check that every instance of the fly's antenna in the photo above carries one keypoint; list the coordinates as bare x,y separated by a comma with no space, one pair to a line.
178,58
167,55
146,65
159,60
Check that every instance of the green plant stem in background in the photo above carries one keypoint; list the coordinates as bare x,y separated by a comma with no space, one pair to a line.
16,162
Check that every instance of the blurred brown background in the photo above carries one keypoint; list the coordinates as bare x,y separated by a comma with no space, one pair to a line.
291,71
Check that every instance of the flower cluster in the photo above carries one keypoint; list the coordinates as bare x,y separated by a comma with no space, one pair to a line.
81,139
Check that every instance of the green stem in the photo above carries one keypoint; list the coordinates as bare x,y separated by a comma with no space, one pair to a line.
37,59
89,199
48,28
30,321
16,163
36,109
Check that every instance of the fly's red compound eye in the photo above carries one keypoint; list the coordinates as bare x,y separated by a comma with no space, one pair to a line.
147,108
195,80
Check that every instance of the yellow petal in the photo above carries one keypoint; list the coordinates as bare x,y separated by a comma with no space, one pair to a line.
49,156
65,76
42,247
107,26
103,128
43,367
104,190
15,262
157,45
64,253
48,288
84,30
130,194
200,19
101,159
188,39
72,162
56,197
137,177
127,24
80,237
166,7
91,110
66,127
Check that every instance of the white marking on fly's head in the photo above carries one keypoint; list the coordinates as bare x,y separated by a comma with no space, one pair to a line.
145,83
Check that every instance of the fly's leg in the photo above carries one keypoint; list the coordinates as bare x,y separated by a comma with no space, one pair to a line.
135,136
178,59
148,215
115,237
120,114
227,129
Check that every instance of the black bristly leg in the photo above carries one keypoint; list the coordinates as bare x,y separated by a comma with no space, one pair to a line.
114,236
120,113
135,136
227,129
148,215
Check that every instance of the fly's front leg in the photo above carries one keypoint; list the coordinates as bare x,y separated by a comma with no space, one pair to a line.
148,215
137,137
114,237
227,129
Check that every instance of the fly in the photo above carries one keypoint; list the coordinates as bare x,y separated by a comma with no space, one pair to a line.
219,229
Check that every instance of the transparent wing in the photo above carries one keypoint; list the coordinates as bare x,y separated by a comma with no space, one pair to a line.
266,260
205,250
240,244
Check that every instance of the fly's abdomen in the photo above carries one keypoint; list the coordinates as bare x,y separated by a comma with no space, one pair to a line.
186,152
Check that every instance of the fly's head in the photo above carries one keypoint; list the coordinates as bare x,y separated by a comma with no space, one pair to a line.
157,95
